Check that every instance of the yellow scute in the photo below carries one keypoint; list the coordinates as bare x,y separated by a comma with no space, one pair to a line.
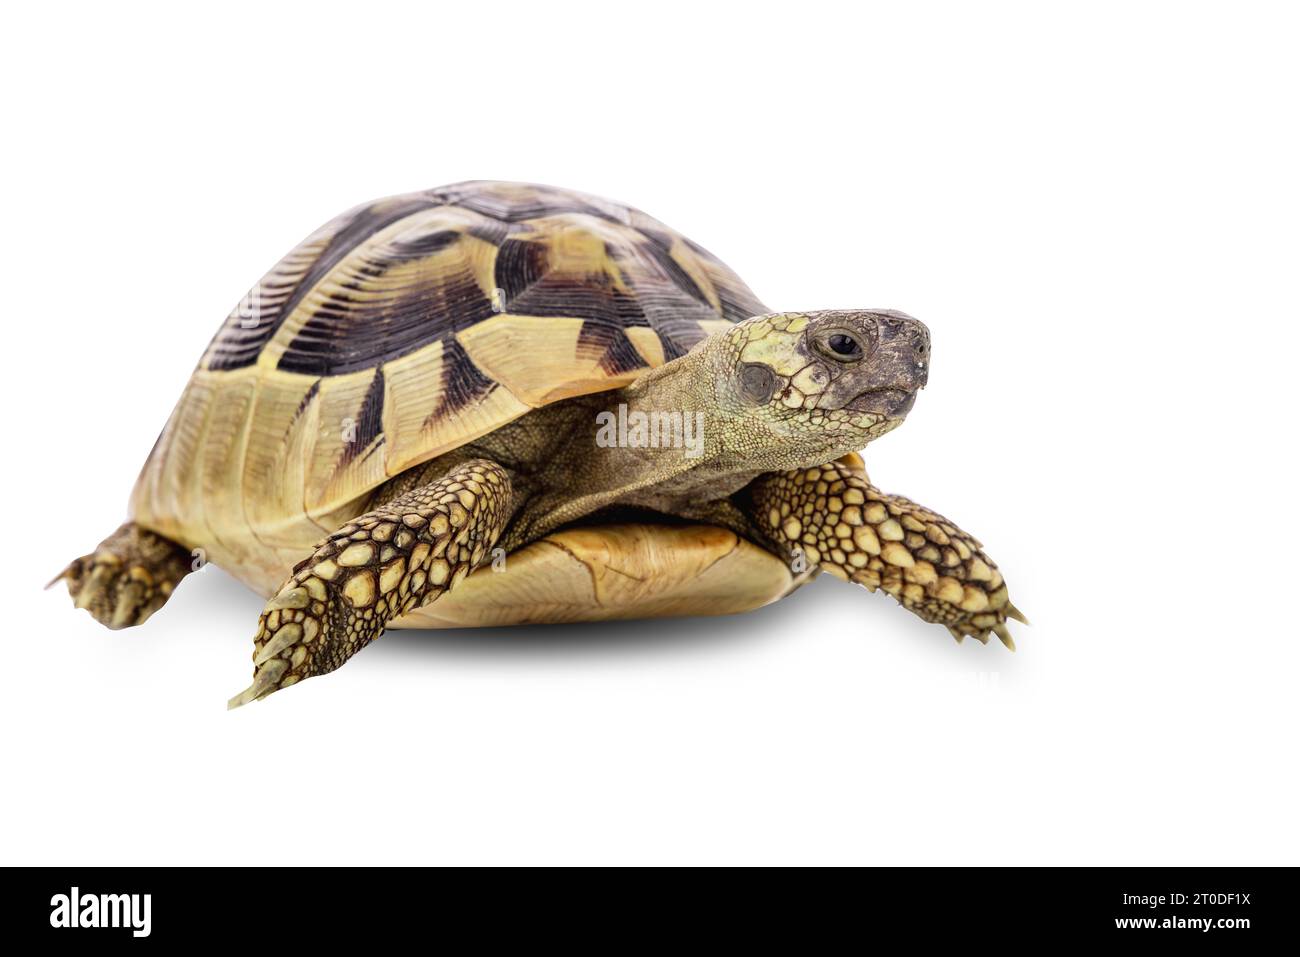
603,573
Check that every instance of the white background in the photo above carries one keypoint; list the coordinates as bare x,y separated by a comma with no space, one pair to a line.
1093,206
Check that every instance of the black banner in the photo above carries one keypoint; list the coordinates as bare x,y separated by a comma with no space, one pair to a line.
1226,908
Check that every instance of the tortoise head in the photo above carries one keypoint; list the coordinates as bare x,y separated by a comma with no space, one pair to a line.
820,384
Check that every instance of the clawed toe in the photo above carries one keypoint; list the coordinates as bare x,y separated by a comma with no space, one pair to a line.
980,627
287,634
127,578
117,596
266,679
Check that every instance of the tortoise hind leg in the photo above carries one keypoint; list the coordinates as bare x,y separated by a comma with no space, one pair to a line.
377,567
128,577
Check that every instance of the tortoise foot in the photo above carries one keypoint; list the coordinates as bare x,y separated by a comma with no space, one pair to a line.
127,578
835,518
377,567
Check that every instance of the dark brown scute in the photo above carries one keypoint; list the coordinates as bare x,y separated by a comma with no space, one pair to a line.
493,231
348,333
369,424
463,383
660,252
672,303
519,264
591,297
609,345
237,346
307,400
738,303
417,247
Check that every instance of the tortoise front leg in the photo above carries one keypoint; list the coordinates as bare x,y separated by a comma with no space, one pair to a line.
837,519
377,567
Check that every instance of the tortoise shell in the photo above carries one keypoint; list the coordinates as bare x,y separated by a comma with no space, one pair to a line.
403,329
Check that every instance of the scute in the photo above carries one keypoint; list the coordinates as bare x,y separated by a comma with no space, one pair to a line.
611,572
405,328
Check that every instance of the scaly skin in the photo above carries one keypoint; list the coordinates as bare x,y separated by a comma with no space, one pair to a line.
128,577
840,521
380,565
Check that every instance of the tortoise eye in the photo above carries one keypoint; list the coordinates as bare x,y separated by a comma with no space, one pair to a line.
844,346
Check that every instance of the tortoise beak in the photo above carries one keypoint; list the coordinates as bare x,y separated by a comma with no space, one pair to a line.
892,403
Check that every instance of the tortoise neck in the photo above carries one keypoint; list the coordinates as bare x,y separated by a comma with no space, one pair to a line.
661,440
655,443
656,428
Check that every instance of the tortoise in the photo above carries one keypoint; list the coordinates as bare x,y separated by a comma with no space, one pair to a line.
497,403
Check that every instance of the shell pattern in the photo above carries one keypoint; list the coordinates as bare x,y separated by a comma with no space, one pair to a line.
405,328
